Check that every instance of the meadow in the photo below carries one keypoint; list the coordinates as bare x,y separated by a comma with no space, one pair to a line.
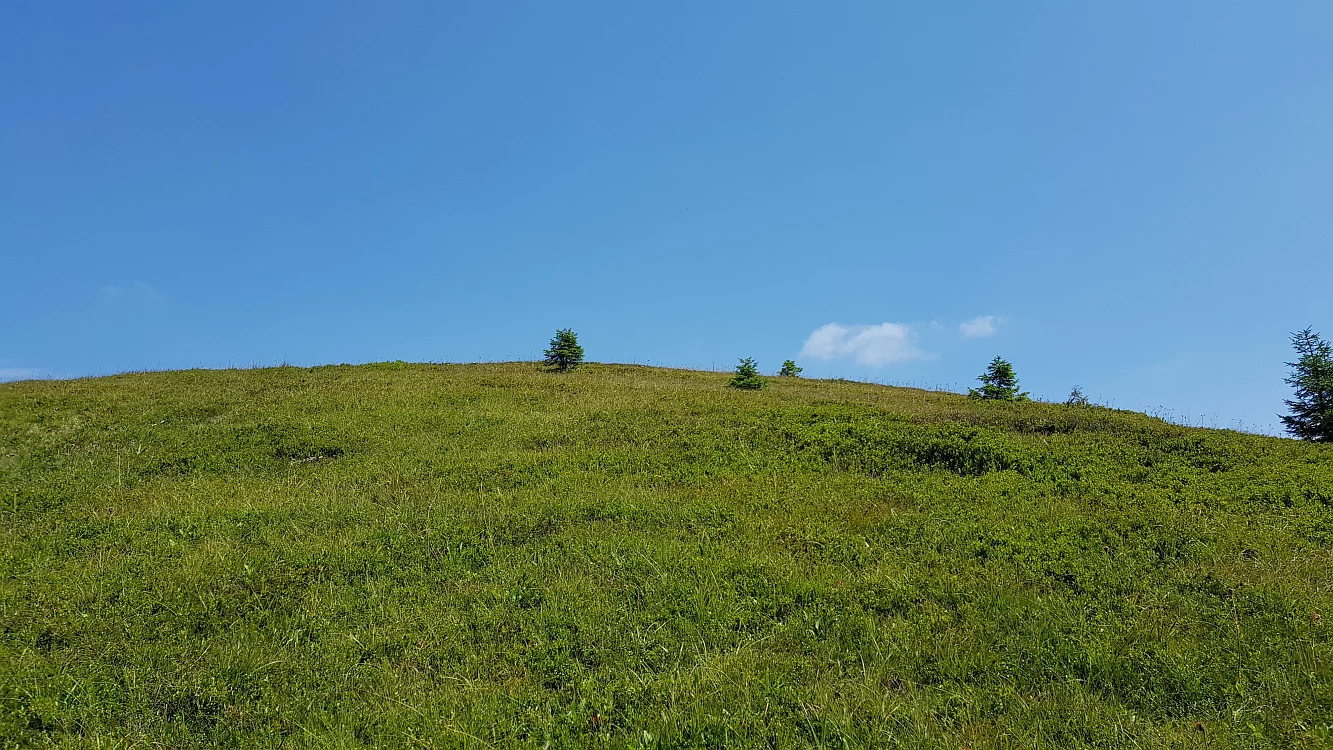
487,556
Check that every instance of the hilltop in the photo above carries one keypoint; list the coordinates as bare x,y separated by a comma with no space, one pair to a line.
490,556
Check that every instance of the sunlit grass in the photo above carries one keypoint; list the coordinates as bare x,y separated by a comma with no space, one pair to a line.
494,556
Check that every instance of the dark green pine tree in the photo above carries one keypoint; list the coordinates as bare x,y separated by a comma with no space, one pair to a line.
789,369
1311,416
747,376
565,352
999,383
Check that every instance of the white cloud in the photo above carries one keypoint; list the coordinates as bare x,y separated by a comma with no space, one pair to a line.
18,373
877,345
137,291
979,327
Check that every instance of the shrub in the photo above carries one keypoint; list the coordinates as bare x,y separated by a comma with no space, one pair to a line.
789,369
998,383
565,352
1311,416
747,376
1076,398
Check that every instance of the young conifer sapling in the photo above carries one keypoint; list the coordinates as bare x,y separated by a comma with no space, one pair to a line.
565,353
998,383
747,376
1311,409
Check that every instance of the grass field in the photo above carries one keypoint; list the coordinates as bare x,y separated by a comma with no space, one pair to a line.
493,556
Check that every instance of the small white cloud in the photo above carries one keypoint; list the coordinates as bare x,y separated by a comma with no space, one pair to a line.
876,345
979,327
139,291
18,373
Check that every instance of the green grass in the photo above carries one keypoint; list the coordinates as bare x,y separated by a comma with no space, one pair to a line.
492,556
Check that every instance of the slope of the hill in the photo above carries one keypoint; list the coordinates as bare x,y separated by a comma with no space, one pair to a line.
494,556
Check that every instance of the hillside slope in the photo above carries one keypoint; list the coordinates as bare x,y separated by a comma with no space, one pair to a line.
492,556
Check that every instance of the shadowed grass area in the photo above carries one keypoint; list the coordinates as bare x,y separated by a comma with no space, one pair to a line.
492,556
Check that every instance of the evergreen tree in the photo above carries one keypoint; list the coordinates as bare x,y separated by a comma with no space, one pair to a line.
789,369
747,376
565,352
999,383
1076,398
1311,416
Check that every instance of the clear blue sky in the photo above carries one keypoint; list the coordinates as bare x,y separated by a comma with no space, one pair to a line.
1138,195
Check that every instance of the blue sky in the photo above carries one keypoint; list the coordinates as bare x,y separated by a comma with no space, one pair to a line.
1136,197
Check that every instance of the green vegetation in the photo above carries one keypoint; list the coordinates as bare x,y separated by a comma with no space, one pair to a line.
1077,397
486,556
998,383
789,369
747,376
1311,416
565,353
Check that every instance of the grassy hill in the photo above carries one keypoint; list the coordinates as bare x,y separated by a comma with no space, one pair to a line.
492,556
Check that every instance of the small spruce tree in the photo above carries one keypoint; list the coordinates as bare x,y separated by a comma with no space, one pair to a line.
1076,398
789,369
1311,416
565,352
998,383
747,376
